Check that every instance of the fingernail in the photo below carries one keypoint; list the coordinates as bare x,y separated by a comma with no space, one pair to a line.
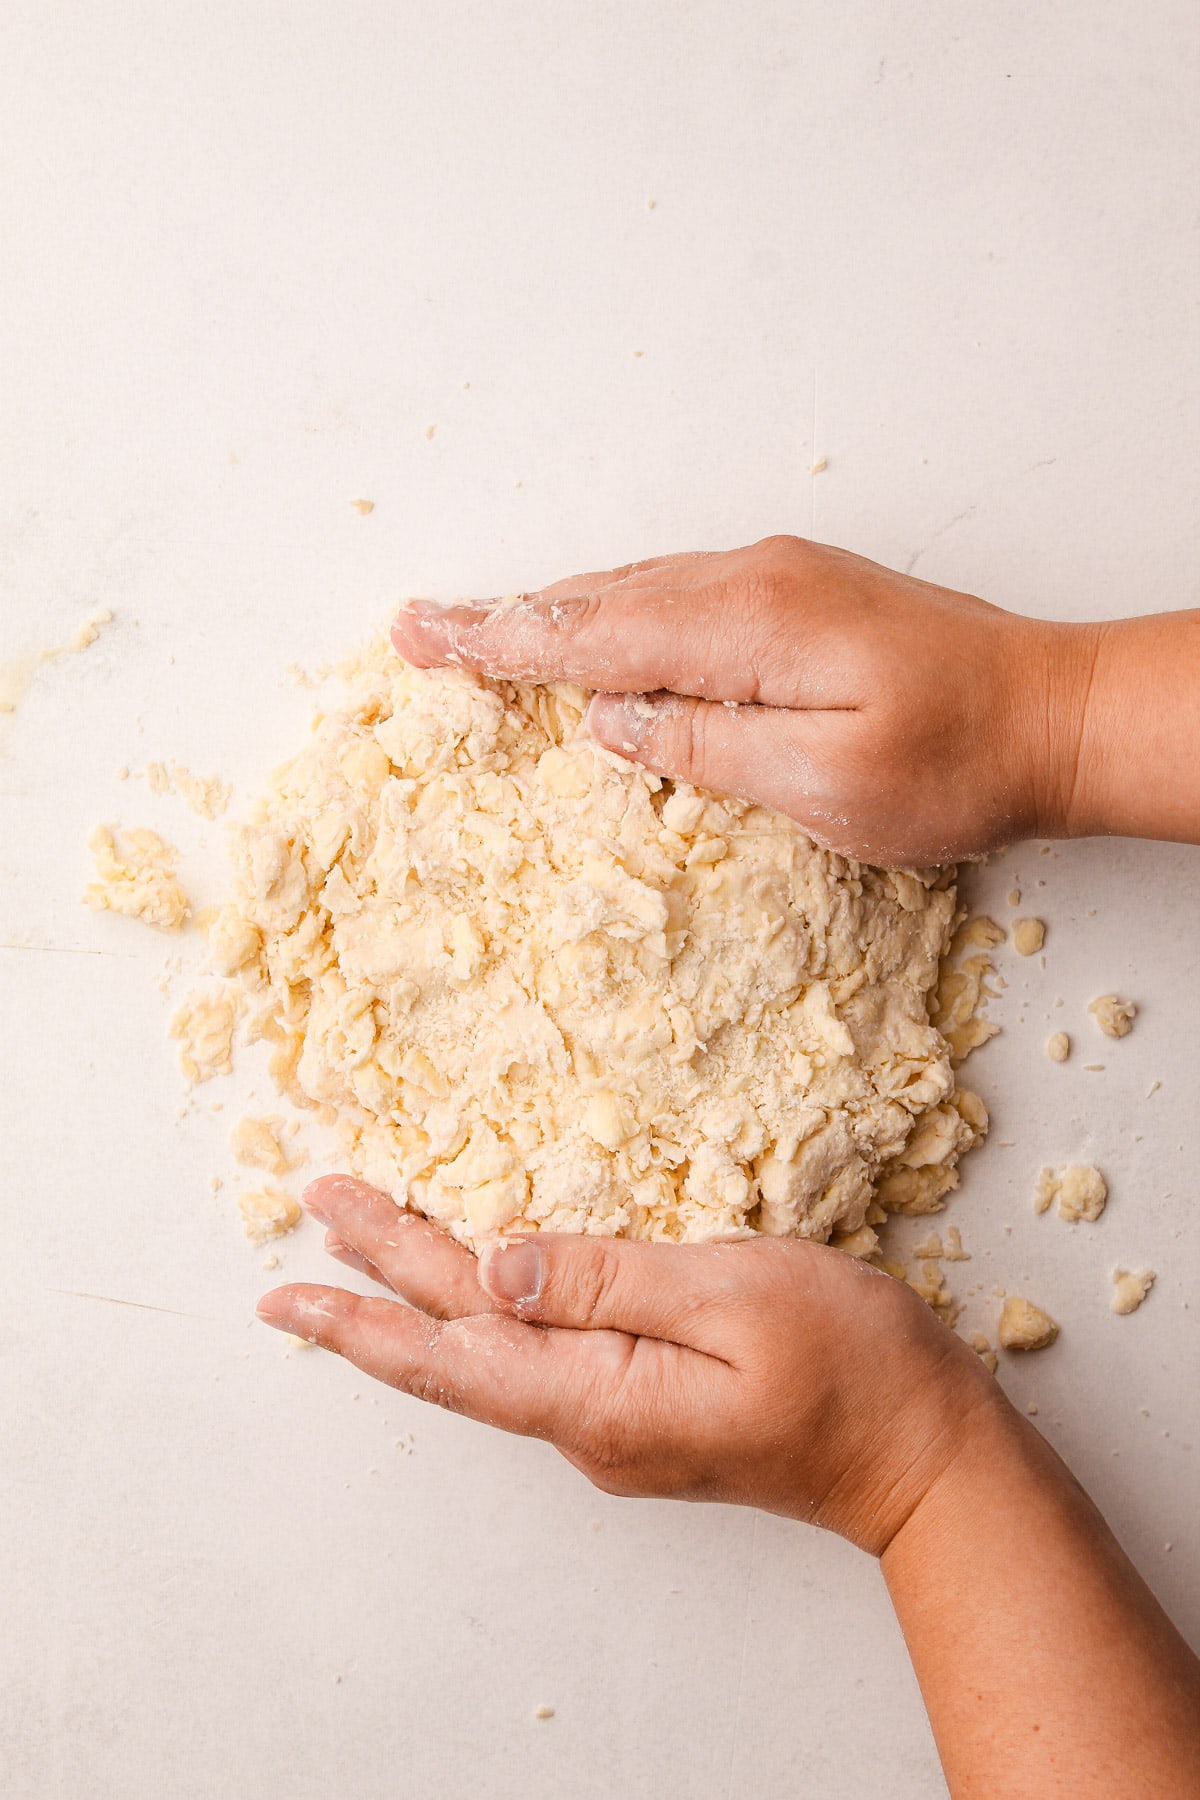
310,1200
621,722
512,1271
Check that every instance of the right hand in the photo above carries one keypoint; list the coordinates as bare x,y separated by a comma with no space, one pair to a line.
897,722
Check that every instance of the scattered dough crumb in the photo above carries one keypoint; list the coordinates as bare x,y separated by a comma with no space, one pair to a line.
271,1261
1028,936
1024,1326
963,991
1153,1089
1014,896
1058,1046
1130,1287
819,467
90,630
257,1143
543,1712
135,875
267,1213
1079,1188
363,507
1114,1017
953,1251
429,430
203,1026
983,1350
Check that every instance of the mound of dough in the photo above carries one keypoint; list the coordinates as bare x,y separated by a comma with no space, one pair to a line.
536,986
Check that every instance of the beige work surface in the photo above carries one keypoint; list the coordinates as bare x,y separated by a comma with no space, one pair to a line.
251,254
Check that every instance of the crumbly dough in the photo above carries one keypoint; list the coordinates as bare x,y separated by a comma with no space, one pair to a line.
1130,1287
983,1350
1058,1046
1028,936
135,875
1024,1326
1079,1188
1114,1017
267,1213
257,1143
538,987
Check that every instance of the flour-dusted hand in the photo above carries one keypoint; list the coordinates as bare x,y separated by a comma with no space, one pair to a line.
776,1373
897,722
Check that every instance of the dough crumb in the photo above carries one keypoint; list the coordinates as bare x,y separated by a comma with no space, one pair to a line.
819,467
267,1213
87,633
270,1262
1080,1190
205,794
203,1026
1114,1017
963,988
1014,896
1058,1046
257,1143
1028,936
983,1350
1130,1287
363,507
1024,1326
543,1712
954,1251
135,875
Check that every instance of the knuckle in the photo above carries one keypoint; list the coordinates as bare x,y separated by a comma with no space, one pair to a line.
592,1282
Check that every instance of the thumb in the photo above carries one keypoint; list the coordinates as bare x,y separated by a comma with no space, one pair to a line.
787,760
612,1284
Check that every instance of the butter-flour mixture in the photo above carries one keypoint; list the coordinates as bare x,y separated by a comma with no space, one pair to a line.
536,986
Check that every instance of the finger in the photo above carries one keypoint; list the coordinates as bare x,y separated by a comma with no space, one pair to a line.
673,1292
492,1368
628,574
350,1259
794,762
700,628
410,1255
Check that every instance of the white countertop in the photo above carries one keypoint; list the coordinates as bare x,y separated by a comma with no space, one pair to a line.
251,253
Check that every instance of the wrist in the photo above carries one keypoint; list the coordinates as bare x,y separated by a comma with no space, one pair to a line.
993,1435
1057,672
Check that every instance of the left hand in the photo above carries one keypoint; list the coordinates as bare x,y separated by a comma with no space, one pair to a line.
774,1373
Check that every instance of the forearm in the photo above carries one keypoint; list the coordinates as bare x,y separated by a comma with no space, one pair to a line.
1128,727
1046,1664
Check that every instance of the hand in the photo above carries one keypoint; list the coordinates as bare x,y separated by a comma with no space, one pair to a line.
775,1373
895,721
